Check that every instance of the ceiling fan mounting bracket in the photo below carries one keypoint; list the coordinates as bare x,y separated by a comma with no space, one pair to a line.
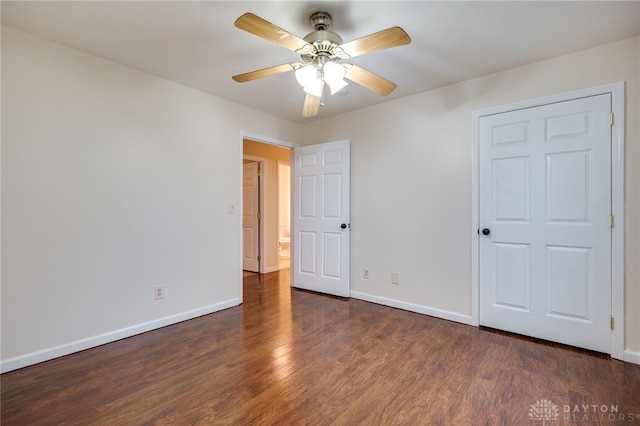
320,20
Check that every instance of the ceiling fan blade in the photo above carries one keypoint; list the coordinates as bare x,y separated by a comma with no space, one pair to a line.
268,31
311,106
265,72
370,80
385,39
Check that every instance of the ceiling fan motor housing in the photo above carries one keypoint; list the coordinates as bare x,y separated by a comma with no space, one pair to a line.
323,38
324,45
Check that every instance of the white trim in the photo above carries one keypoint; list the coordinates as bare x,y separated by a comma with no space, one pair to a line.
617,200
239,213
101,339
631,356
552,99
617,209
266,139
412,307
279,164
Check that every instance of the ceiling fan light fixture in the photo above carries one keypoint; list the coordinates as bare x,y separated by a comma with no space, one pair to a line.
321,52
311,79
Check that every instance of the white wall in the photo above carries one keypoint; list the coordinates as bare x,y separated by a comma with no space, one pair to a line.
411,180
113,182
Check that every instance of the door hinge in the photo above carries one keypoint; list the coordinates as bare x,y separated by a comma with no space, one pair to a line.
259,215
259,258
259,172
611,119
612,323
612,221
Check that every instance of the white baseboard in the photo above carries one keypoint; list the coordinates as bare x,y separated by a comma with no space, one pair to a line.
631,356
91,342
412,307
80,345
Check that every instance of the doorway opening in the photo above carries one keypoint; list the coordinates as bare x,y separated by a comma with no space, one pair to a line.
266,227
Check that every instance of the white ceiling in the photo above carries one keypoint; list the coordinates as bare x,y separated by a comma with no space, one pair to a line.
196,44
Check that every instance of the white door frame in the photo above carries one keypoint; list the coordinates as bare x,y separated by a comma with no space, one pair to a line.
279,164
266,140
617,199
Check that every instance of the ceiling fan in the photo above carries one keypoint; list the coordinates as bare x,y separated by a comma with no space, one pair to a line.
322,52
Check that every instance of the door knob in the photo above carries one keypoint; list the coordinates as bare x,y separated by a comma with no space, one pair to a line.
343,226
486,231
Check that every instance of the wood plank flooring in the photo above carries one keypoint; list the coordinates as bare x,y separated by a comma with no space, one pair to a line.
290,357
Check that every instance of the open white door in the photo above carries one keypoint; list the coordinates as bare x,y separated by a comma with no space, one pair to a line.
250,218
321,228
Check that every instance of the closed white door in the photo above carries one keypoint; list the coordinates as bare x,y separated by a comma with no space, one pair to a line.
321,218
250,217
544,217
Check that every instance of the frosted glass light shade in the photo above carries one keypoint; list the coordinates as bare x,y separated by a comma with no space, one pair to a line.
337,85
307,77
334,76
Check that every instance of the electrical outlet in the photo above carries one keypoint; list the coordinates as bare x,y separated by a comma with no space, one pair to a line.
395,278
365,273
158,292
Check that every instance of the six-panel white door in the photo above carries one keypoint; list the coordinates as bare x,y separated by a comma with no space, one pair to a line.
545,204
321,218
250,220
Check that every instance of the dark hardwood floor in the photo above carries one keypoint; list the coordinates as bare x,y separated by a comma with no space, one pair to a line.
290,357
